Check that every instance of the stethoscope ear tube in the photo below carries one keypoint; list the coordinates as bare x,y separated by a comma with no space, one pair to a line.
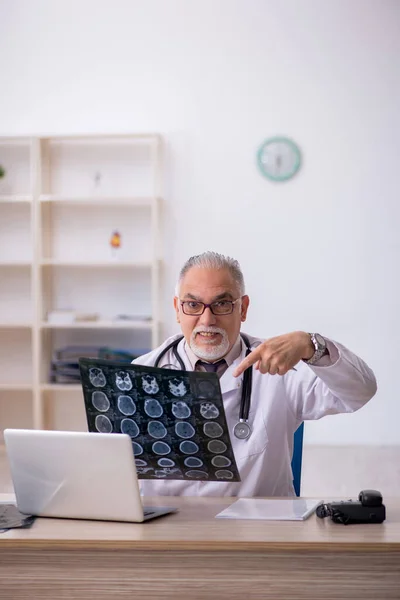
172,345
178,358
247,384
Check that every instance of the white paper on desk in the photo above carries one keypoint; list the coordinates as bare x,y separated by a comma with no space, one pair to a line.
274,509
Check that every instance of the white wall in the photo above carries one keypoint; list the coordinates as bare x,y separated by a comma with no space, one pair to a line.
216,77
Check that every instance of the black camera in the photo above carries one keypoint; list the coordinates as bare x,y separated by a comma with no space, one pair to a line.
368,509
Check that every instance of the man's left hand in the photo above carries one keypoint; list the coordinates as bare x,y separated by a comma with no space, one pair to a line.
278,355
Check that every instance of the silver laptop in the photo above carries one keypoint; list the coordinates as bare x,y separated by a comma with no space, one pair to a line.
76,475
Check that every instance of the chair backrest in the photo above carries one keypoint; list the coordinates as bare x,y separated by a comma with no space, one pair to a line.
297,458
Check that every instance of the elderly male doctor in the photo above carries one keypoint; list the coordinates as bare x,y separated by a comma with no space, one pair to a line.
296,377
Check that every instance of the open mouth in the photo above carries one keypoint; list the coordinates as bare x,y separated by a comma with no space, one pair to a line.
208,337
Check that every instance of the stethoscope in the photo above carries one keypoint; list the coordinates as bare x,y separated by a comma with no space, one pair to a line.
242,429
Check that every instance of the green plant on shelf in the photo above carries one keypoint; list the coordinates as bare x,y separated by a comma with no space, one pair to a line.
2,172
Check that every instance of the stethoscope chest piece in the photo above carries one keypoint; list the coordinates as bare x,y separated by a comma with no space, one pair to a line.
242,430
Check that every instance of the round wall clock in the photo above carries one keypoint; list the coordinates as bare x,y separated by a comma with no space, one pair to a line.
279,158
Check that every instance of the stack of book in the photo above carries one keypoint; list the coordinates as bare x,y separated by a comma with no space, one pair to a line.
64,366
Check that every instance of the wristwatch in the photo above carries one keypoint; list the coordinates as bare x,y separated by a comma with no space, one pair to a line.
320,348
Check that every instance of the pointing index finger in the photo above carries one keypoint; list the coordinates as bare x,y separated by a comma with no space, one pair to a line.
253,357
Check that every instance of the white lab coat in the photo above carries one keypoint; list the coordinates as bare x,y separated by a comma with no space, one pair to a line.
278,406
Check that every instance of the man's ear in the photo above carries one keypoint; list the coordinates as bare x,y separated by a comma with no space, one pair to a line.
244,307
176,307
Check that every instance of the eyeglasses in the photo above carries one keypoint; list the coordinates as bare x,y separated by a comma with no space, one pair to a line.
220,307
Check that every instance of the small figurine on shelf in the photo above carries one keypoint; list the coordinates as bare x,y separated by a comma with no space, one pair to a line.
97,179
115,243
96,183
2,175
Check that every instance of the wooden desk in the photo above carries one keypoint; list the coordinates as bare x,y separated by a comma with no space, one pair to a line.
191,555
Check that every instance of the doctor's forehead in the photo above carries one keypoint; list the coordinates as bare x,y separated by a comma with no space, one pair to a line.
201,280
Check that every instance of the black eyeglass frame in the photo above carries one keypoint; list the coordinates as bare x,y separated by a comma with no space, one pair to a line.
210,306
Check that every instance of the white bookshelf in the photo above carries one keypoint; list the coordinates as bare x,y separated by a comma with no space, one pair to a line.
60,201
16,199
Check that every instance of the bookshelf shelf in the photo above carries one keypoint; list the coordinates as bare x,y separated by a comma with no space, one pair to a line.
96,265
15,325
16,387
64,202
129,201
16,199
15,263
99,325
59,387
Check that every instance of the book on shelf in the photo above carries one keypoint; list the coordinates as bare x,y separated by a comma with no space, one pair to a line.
67,317
123,317
64,366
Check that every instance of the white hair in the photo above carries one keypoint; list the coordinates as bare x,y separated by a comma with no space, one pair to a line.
213,260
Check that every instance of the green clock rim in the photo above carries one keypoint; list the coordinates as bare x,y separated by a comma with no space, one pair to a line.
293,146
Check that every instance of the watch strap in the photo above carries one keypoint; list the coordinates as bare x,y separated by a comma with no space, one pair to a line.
320,348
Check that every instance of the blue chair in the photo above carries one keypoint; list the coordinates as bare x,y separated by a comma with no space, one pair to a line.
297,458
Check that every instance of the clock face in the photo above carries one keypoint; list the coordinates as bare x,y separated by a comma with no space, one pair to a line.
279,158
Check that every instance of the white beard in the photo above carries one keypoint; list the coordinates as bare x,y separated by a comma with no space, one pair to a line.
213,352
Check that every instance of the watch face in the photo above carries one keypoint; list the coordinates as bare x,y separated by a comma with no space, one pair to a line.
320,340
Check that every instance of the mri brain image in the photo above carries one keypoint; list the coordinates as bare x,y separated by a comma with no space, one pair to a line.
180,410
97,377
156,429
213,430
137,449
100,401
224,474
150,385
193,461
206,389
217,446
129,426
221,461
103,424
184,429
188,447
177,387
165,462
126,405
208,410
153,408
161,448
197,475
123,381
